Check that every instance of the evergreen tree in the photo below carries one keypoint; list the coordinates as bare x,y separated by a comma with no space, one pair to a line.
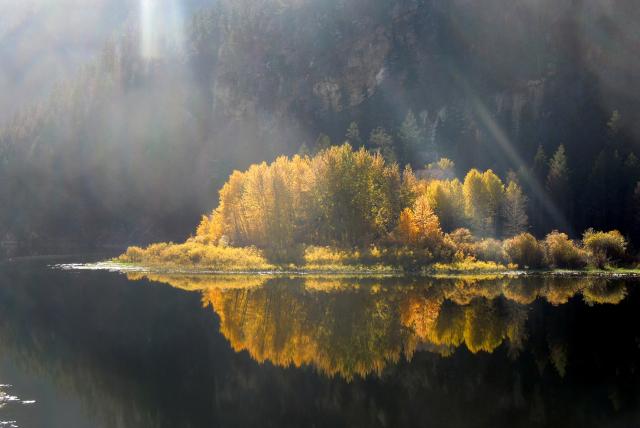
636,210
514,210
614,124
604,190
539,171
557,183
540,164
353,135
411,140
382,142
304,150
322,143
631,177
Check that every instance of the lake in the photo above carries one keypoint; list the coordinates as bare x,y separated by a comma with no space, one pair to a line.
86,348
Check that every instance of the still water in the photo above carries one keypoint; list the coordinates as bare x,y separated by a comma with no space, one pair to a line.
105,349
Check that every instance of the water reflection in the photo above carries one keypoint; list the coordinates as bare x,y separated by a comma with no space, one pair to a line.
94,349
358,327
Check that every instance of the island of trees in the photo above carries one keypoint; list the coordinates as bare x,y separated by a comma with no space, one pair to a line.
345,209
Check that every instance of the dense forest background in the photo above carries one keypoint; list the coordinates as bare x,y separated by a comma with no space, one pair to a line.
134,146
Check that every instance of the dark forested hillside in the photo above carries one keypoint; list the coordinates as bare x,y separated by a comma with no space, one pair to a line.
135,146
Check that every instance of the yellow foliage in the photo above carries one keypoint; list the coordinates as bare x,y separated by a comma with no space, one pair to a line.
446,198
469,265
489,250
604,247
419,226
564,253
199,256
525,251
483,194
355,327
350,210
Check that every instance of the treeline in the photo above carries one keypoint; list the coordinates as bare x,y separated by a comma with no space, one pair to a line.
348,198
560,193
353,197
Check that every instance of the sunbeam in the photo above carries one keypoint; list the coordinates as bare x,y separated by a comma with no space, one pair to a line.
161,28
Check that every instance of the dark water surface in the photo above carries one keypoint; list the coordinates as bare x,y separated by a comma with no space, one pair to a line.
100,349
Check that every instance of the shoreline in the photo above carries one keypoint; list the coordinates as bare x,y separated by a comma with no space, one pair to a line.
383,271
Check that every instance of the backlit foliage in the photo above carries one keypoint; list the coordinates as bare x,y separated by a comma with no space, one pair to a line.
420,227
351,210
340,196
514,210
192,254
349,197
563,252
446,198
525,251
604,247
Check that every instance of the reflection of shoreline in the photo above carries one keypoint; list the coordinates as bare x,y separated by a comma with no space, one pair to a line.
353,327
443,271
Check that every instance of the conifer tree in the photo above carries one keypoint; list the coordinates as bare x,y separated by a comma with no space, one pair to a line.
353,135
540,164
382,142
304,150
539,171
557,183
636,209
604,190
322,143
514,210
410,136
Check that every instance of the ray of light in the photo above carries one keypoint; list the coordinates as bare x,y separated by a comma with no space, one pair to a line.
501,138
161,27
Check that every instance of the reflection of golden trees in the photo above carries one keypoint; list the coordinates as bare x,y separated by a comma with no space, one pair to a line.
344,333
358,326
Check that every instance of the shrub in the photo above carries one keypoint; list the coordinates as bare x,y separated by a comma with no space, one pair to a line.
195,254
327,257
525,251
564,253
462,236
463,240
469,265
489,250
604,247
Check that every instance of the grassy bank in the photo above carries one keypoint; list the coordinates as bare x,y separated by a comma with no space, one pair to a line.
193,256
198,257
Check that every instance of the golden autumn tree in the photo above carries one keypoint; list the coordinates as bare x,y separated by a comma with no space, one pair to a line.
483,194
356,196
446,198
419,227
340,196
